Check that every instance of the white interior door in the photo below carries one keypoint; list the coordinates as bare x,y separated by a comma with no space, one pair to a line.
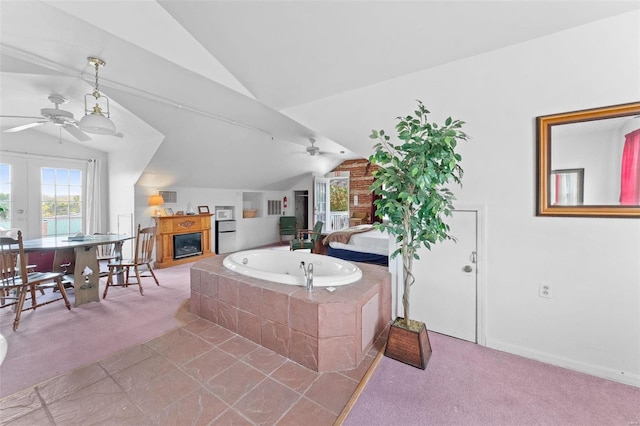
444,294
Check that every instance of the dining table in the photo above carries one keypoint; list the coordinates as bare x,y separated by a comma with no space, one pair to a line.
86,271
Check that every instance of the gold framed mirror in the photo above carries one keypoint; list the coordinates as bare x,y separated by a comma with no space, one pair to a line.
589,162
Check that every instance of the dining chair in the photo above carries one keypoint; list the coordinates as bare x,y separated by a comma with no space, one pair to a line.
105,253
302,243
16,282
143,257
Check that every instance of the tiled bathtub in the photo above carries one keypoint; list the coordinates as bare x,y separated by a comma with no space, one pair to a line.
321,330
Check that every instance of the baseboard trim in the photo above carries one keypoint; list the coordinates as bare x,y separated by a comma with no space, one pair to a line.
593,370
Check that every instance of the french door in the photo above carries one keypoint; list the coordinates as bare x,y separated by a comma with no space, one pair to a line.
321,202
47,195
331,202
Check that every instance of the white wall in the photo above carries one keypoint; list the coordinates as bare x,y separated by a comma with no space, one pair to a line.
592,323
250,232
126,166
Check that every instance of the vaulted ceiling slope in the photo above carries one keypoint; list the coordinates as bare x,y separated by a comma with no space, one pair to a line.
219,80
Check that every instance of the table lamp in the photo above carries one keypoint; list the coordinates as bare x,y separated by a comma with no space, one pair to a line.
157,201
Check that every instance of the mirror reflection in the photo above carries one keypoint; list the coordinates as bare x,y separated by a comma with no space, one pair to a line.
589,162
567,187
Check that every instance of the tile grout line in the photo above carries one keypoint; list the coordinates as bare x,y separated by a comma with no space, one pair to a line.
44,405
301,395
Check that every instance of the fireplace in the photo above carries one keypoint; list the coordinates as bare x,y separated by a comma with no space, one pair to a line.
169,226
186,245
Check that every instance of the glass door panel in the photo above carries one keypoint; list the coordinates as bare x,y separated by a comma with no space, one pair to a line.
321,202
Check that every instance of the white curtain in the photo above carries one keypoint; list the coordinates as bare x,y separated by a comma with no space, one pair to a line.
93,216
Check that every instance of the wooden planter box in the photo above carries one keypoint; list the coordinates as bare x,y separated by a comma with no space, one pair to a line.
408,346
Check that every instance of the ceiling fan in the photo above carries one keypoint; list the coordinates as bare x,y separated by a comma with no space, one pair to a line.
56,116
313,150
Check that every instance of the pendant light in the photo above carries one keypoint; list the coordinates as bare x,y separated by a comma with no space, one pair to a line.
97,118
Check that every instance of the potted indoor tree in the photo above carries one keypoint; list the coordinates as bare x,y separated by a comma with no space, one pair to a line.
412,196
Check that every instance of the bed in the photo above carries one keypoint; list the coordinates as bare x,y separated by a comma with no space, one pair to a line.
362,243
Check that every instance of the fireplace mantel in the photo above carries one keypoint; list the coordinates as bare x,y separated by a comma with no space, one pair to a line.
168,226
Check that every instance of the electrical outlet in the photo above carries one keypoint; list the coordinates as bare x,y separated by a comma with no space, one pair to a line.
545,290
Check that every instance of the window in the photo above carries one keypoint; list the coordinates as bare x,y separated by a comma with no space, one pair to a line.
274,207
5,196
61,202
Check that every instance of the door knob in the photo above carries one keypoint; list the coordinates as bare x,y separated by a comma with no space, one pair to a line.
467,268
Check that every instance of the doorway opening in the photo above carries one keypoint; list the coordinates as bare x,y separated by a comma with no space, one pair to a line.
331,201
301,208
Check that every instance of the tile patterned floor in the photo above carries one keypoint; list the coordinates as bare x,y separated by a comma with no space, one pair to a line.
197,374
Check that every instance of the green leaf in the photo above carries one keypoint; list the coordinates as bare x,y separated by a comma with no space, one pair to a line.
411,179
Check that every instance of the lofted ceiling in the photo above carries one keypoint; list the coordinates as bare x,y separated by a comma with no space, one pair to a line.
220,80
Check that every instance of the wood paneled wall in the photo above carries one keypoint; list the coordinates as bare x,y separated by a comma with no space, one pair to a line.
360,179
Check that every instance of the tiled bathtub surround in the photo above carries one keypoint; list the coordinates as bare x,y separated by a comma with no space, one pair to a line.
321,330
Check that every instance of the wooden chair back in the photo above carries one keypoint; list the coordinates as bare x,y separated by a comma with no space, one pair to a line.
105,251
10,279
144,244
143,257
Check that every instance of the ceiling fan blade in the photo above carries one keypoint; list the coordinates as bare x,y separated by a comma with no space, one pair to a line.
25,126
77,133
22,116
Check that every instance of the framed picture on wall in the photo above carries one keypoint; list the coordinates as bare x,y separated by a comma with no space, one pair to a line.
203,209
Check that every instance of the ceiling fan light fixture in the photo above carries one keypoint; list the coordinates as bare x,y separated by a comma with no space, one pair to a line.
312,150
97,118
98,124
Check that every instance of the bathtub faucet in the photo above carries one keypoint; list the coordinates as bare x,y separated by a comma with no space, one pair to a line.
308,274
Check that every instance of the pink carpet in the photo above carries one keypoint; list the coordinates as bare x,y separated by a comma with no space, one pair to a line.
52,340
467,384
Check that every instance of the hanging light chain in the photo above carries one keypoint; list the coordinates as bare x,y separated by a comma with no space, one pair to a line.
97,63
96,109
